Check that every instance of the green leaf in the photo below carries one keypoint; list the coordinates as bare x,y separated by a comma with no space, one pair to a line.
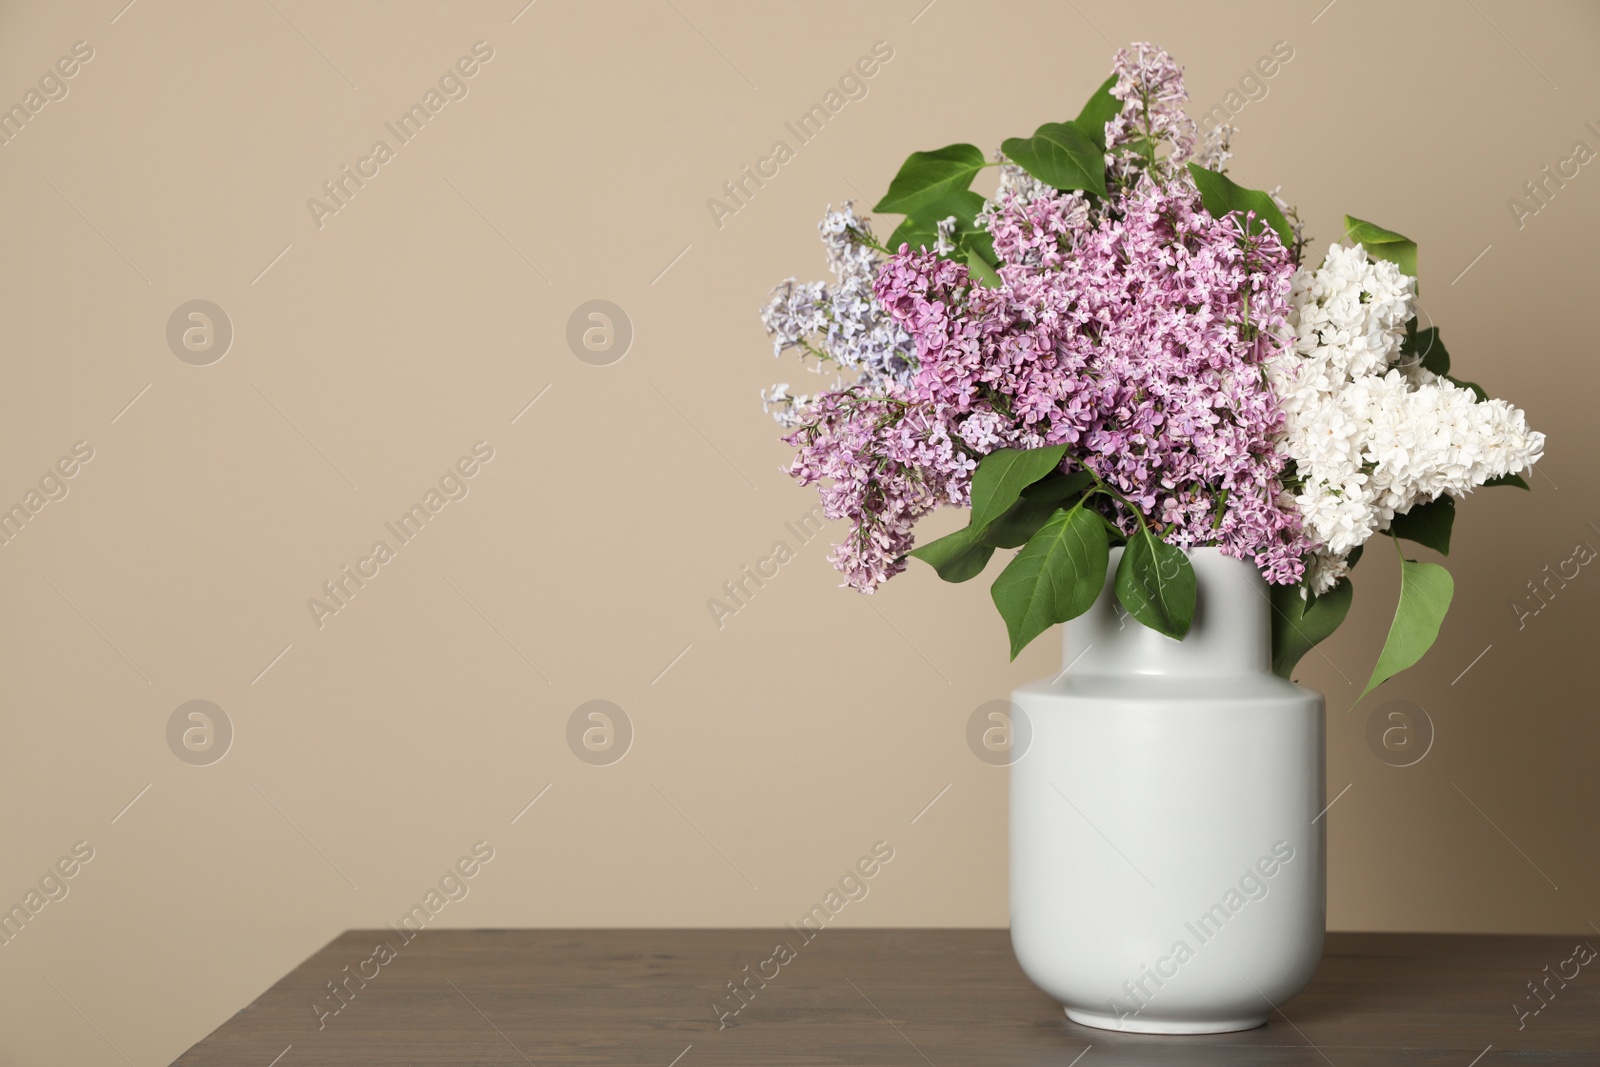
980,268
1003,474
920,230
926,177
1300,624
1155,582
1383,244
1428,524
920,233
1221,196
1059,485
978,247
1059,154
973,246
979,241
1426,344
1038,502
1509,479
1425,592
1057,576
1354,557
1101,109
1477,390
957,556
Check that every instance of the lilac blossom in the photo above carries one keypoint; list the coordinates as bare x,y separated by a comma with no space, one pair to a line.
843,327
1133,328
1138,341
888,461
1150,86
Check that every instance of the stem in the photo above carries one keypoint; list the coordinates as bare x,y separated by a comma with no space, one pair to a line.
1114,529
1222,499
1101,487
870,241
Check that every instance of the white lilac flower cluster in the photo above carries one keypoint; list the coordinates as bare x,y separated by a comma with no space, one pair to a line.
1372,433
844,327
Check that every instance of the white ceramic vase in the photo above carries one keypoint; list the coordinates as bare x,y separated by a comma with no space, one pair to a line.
1167,844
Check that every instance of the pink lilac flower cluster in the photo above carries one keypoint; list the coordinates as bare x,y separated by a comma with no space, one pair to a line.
1138,341
1150,85
889,461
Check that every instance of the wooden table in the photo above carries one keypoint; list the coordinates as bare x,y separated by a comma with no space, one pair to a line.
907,997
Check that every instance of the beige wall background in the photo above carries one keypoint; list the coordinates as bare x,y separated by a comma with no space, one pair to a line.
372,351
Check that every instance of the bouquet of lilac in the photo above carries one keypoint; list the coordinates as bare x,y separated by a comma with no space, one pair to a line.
1124,347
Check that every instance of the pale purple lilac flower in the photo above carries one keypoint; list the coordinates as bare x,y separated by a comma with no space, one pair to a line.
794,312
843,326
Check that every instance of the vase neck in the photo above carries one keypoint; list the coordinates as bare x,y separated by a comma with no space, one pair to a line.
1231,633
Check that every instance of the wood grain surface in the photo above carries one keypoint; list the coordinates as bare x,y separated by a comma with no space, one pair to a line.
906,997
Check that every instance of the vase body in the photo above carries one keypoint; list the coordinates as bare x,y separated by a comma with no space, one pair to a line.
1167,848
